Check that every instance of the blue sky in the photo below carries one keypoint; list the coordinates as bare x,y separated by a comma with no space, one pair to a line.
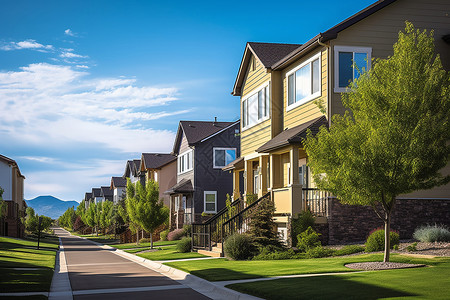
86,85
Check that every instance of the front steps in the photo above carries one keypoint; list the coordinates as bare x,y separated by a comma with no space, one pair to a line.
215,251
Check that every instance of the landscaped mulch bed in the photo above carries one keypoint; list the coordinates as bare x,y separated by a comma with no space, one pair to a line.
370,266
433,249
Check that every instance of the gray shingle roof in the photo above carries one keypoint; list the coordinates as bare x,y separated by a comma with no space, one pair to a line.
157,160
293,135
96,192
106,191
118,182
184,186
270,53
87,196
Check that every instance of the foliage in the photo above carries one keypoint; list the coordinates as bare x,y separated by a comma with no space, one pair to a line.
375,241
187,229
308,239
432,233
412,247
3,204
106,214
271,252
32,221
68,218
239,246
349,249
79,224
185,245
144,206
163,235
304,220
175,234
262,227
319,251
250,198
395,137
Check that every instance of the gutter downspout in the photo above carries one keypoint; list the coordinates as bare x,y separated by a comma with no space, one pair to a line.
327,45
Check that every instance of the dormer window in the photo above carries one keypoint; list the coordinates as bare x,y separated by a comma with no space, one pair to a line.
303,82
349,64
255,108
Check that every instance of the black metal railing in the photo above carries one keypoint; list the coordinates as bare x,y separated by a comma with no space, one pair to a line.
316,201
206,235
240,222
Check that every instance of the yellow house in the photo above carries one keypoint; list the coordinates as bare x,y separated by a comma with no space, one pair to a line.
286,89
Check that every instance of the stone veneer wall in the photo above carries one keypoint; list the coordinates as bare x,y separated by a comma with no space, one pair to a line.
353,223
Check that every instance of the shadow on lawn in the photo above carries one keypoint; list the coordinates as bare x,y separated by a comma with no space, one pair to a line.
320,287
219,274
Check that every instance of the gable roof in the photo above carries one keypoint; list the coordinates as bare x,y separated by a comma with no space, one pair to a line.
133,167
196,131
293,135
156,160
96,192
106,191
87,196
117,182
267,54
184,186
10,161
331,33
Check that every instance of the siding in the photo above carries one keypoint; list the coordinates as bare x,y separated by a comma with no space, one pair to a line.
254,137
309,110
6,180
255,78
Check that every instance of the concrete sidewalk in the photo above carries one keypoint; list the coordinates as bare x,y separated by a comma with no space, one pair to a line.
95,270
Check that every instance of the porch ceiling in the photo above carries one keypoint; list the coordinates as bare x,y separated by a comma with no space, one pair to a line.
293,135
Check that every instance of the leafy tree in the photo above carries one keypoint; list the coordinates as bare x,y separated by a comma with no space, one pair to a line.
93,215
130,208
3,204
396,138
145,208
106,215
31,220
68,218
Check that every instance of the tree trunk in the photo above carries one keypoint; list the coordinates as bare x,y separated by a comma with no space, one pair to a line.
387,236
137,236
151,240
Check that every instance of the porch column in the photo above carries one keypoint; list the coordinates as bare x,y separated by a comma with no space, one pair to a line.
236,184
296,187
263,159
294,165
248,177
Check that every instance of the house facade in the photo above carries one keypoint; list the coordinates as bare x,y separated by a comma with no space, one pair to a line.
133,171
202,150
106,193
118,186
12,183
287,89
162,169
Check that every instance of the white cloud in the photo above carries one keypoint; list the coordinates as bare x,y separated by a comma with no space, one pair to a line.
41,159
67,54
82,66
59,106
69,32
27,44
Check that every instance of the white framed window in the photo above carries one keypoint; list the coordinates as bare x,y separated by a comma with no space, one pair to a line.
349,64
256,106
210,201
304,82
223,156
185,162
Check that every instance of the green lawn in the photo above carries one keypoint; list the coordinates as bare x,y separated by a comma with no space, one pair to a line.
419,283
16,253
223,269
143,245
169,253
102,239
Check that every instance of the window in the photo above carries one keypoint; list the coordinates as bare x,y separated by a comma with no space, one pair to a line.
210,201
223,156
255,182
303,175
255,108
185,162
304,82
349,64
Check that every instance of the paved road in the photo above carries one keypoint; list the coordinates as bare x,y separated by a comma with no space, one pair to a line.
96,273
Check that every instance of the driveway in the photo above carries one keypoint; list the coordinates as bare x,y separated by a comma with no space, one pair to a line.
97,273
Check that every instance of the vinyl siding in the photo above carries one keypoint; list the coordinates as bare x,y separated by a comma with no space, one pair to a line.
254,137
255,78
309,110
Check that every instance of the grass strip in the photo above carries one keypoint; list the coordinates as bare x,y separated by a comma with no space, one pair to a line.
169,253
143,245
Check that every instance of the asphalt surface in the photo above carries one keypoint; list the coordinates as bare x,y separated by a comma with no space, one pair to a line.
97,273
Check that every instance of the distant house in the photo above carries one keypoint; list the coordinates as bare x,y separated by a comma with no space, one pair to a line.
12,182
161,168
202,150
132,171
118,186
96,195
87,199
106,193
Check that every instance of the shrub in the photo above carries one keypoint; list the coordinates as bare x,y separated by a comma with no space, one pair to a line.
163,235
262,227
239,246
308,239
432,233
304,220
412,247
175,234
375,241
266,254
144,240
349,249
187,230
319,251
185,245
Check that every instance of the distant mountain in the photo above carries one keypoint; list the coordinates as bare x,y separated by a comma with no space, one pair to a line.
50,206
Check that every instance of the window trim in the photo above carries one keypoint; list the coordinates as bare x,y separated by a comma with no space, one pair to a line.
179,158
215,202
214,156
312,96
353,49
255,92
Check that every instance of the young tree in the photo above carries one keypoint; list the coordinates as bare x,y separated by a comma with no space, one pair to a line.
31,220
396,138
129,214
262,227
106,215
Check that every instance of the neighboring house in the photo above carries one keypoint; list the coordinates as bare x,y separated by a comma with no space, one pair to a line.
12,182
161,168
106,193
119,186
96,195
133,171
281,87
87,199
202,150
